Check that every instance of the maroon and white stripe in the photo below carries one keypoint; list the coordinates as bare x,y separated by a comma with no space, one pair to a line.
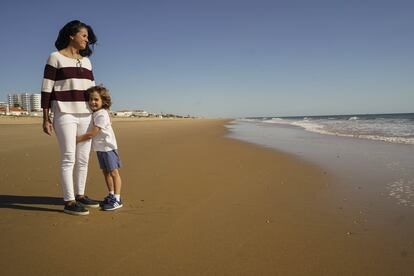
65,82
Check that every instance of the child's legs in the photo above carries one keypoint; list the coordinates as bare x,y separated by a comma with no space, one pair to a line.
116,178
108,180
82,154
65,129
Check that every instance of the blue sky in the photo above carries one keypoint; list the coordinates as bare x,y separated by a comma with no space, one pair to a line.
227,58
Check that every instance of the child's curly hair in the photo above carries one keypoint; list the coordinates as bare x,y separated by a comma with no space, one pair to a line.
103,92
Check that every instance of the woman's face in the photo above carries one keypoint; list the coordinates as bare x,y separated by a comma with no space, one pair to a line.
80,39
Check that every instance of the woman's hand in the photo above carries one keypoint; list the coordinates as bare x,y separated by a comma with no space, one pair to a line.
47,127
47,124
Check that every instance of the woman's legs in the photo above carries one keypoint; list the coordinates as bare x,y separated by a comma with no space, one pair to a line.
82,154
65,126
74,158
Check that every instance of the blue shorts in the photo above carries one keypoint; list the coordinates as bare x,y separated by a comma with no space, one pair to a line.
109,160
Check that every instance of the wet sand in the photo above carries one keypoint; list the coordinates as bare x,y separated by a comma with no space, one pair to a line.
196,203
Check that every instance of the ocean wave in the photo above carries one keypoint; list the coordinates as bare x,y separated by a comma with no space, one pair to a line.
276,120
395,139
393,130
321,129
318,128
249,120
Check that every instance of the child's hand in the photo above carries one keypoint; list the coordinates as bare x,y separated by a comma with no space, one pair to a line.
78,140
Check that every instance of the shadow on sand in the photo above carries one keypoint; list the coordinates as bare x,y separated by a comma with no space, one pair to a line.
26,202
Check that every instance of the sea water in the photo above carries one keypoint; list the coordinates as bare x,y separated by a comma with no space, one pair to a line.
393,128
374,151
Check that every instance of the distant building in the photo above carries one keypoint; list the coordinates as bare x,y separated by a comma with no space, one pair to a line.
130,113
35,102
17,111
154,115
122,113
28,102
140,113
14,100
4,108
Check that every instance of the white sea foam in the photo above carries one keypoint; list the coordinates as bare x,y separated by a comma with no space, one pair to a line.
250,120
276,121
393,130
310,126
403,191
347,131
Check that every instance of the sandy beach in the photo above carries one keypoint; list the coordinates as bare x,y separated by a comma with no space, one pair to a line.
196,203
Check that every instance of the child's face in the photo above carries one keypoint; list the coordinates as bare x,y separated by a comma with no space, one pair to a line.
95,101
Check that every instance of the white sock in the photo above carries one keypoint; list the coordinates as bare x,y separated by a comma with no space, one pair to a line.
118,197
111,192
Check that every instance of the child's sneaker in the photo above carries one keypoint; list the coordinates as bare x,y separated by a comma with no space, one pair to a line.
107,199
112,205
75,209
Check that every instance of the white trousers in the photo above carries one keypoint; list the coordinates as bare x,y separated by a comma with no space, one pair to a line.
74,157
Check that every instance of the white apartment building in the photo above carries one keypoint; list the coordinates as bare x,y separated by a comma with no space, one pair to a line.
29,102
14,100
140,113
35,102
26,102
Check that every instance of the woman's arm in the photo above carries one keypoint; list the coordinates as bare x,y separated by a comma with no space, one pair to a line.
49,78
47,123
88,135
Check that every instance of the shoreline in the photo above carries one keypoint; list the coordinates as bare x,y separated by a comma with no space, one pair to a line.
373,179
348,158
196,203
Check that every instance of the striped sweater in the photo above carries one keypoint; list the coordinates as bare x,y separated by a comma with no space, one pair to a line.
64,83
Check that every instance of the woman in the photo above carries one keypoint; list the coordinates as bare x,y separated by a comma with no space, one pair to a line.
67,75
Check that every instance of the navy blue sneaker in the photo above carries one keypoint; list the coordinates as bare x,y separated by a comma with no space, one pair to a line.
107,199
75,209
112,205
87,202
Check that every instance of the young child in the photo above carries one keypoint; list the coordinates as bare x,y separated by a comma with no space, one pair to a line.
104,143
